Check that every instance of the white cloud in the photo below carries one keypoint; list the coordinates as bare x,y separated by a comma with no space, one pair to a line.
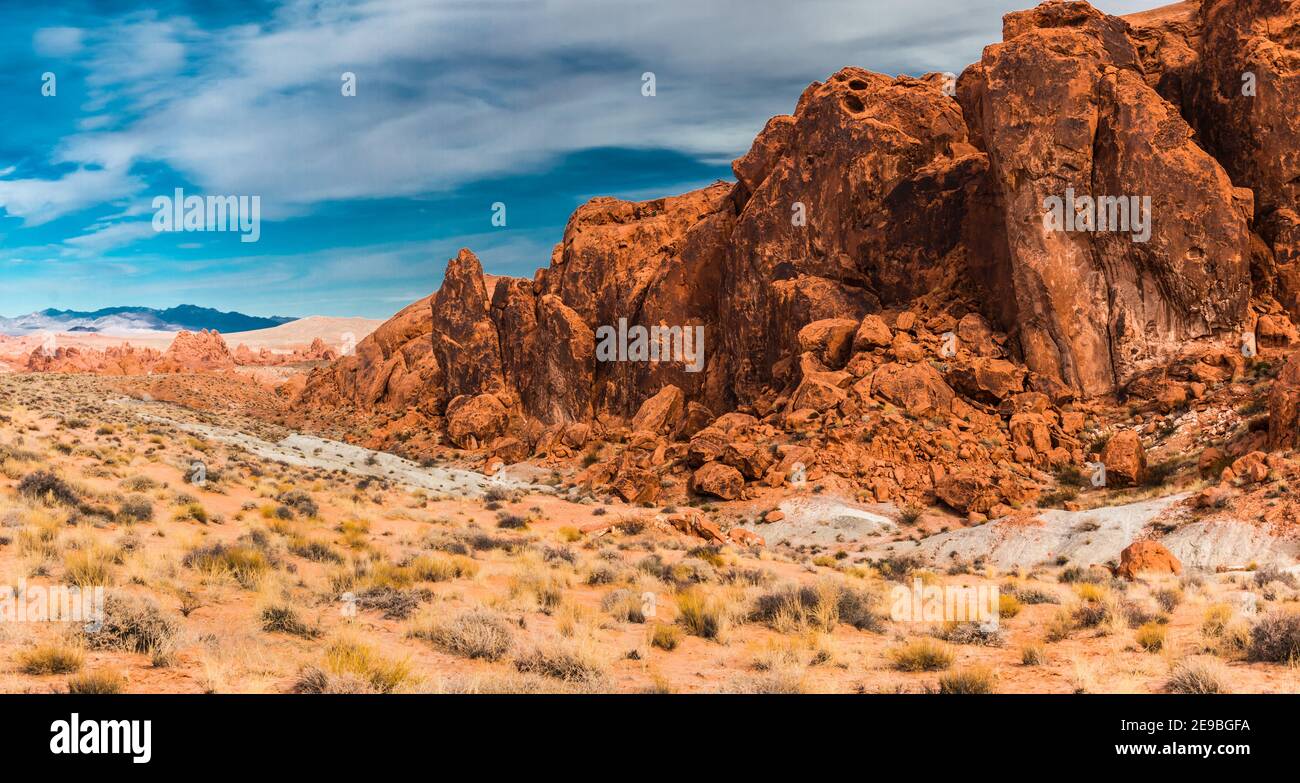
57,41
454,91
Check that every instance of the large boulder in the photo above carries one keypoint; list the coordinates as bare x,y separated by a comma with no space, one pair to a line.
718,480
1147,557
474,421
918,389
1124,458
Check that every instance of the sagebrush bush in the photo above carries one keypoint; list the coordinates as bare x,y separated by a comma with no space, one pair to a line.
1275,638
42,485
476,633
1198,675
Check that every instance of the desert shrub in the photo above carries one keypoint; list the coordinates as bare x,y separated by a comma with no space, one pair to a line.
351,667
624,605
1275,638
279,618
546,586
395,603
440,568
97,682
1169,598
1060,626
42,485
299,501
1033,655
702,614
972,679
90,566
820,606
1216,620
561,659
1151,637
1271,573
50,659
476,633
1077,574
139,483
507,521
135,508
665,637
897,567
601,574
246,564
1033,596
1198,675
1008,606
133,624
559,554
689,571
971,633
313,550
922,655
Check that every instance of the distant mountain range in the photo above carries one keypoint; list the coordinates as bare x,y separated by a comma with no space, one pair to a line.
128,320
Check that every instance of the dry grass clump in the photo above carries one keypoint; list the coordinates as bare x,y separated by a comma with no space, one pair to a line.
90,565
102,681
50,659
562,659
313,550
980,634
1033,655
784,680
544,585
972,679
440,568
352,667
1201,674
824,605
921,655
134,624
245,564
1151,637
476,633
281,618
703,614
626,606
665,637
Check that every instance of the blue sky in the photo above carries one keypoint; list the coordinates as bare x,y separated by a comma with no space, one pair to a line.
459,104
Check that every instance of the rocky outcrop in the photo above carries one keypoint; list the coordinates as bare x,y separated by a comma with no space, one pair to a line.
1104,291
890,293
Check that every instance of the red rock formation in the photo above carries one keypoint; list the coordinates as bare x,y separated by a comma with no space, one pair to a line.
1062,107
879,283
201,351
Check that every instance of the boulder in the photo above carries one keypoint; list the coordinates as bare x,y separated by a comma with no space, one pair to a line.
1147,557
718,480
